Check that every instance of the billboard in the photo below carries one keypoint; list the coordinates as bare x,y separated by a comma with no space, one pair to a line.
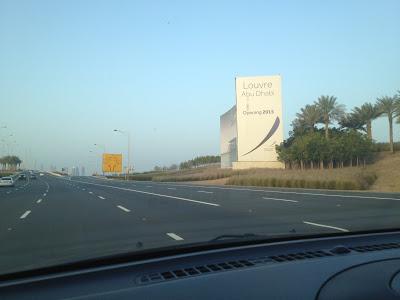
112,163
259,118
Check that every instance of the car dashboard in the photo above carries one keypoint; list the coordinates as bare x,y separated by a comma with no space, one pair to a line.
363,266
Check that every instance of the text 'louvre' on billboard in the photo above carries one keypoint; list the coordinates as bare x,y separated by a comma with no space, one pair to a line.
259,117
112,163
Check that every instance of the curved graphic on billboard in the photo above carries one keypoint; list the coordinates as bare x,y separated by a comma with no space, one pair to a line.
268,136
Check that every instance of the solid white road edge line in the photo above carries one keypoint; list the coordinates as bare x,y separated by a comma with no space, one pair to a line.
154,194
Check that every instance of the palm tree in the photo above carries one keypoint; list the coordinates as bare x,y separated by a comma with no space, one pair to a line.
366,113
3,162
330,111
309,116
390,106
398,103
352,121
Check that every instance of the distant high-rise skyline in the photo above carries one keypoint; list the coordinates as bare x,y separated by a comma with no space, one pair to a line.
75,171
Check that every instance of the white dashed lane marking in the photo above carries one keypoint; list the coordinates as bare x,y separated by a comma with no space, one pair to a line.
123,208
174,236
205,192
279,199
25,214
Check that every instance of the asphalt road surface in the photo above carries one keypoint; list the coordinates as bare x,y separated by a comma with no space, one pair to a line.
53,219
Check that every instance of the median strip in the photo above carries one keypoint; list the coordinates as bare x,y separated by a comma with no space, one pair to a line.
25,214
326,226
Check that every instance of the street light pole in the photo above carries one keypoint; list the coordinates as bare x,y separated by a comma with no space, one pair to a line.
95,162
128,134
129,153
102,147
104,151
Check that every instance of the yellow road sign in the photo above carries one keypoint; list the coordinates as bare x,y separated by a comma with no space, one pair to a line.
112,163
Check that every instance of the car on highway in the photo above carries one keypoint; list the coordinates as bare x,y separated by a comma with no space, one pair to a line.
22,177
6,181
32,176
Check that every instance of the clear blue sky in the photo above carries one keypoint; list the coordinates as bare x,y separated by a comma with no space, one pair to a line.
72,71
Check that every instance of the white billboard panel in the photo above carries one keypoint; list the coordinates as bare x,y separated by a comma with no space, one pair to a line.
259,118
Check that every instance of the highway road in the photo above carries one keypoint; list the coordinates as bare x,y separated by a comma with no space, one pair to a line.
57,219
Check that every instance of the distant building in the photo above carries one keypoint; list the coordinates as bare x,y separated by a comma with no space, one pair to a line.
74,171
252,128
228,142
82,171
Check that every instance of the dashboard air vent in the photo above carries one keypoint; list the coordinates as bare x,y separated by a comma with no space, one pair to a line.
245,263
300,256
195,270
378,247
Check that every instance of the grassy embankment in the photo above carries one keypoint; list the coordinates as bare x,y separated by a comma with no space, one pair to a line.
383,175
197,174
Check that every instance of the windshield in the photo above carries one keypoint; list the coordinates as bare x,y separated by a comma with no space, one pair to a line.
132,126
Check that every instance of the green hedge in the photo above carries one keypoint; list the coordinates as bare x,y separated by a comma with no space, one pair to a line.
361,182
